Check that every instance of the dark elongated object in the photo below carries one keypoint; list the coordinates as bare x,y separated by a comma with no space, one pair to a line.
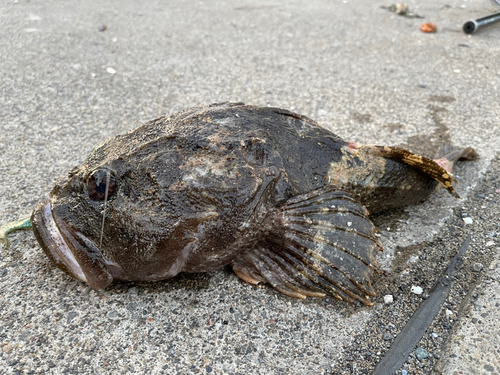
470,27
414,330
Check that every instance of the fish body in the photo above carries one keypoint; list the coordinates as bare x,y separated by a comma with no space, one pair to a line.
269,192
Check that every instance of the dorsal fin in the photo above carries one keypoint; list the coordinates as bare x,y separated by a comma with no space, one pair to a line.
426,165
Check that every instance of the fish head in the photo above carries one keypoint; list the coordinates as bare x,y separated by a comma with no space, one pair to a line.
100,223
66,223
164,201
104,216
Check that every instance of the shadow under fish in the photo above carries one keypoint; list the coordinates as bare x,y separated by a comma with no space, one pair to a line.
267,191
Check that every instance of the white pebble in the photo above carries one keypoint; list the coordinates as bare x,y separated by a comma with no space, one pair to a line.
416,289
110,70
467,220
388,299
413,259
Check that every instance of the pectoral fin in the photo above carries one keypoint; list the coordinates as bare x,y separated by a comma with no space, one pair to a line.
318,243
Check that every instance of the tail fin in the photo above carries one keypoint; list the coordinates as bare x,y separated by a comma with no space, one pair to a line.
448,155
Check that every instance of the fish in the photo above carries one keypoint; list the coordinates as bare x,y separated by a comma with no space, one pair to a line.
269,192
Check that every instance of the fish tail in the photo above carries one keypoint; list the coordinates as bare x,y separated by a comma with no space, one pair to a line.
447,155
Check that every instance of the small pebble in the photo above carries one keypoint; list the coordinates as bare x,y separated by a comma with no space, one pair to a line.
477,267
102,27
71,315
113,314
449,313
110,70
467,220
490,243
434,335
421,353
482,196
429,28
402,8
387,337
404,372
416,289
7,348
388,299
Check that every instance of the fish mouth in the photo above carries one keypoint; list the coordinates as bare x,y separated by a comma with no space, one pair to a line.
68,249
53,243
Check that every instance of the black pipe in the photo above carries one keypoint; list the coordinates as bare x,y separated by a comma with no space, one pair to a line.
470,27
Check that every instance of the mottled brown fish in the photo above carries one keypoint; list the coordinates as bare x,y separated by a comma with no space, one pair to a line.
268,191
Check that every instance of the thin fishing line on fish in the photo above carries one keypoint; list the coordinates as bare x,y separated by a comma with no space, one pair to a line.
104,210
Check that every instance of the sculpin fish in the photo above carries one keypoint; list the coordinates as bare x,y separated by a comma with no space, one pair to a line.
267,191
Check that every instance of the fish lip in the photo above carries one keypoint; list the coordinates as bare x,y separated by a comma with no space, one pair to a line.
53,243
68,248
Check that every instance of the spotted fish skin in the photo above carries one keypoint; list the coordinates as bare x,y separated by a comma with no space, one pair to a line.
268,191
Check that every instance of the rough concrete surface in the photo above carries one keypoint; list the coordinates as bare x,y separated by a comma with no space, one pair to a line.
480,327
369,75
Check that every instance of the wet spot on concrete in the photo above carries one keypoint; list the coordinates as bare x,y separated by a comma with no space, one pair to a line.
362,118
390,219
394,126
441,99
429,144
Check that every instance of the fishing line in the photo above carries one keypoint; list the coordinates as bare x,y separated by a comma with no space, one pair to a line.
104,211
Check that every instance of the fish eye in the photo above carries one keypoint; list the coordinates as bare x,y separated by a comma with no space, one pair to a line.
97,184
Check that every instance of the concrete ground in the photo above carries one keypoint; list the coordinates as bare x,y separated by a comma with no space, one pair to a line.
369,75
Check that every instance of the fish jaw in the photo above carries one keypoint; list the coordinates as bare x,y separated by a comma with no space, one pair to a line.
68,250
